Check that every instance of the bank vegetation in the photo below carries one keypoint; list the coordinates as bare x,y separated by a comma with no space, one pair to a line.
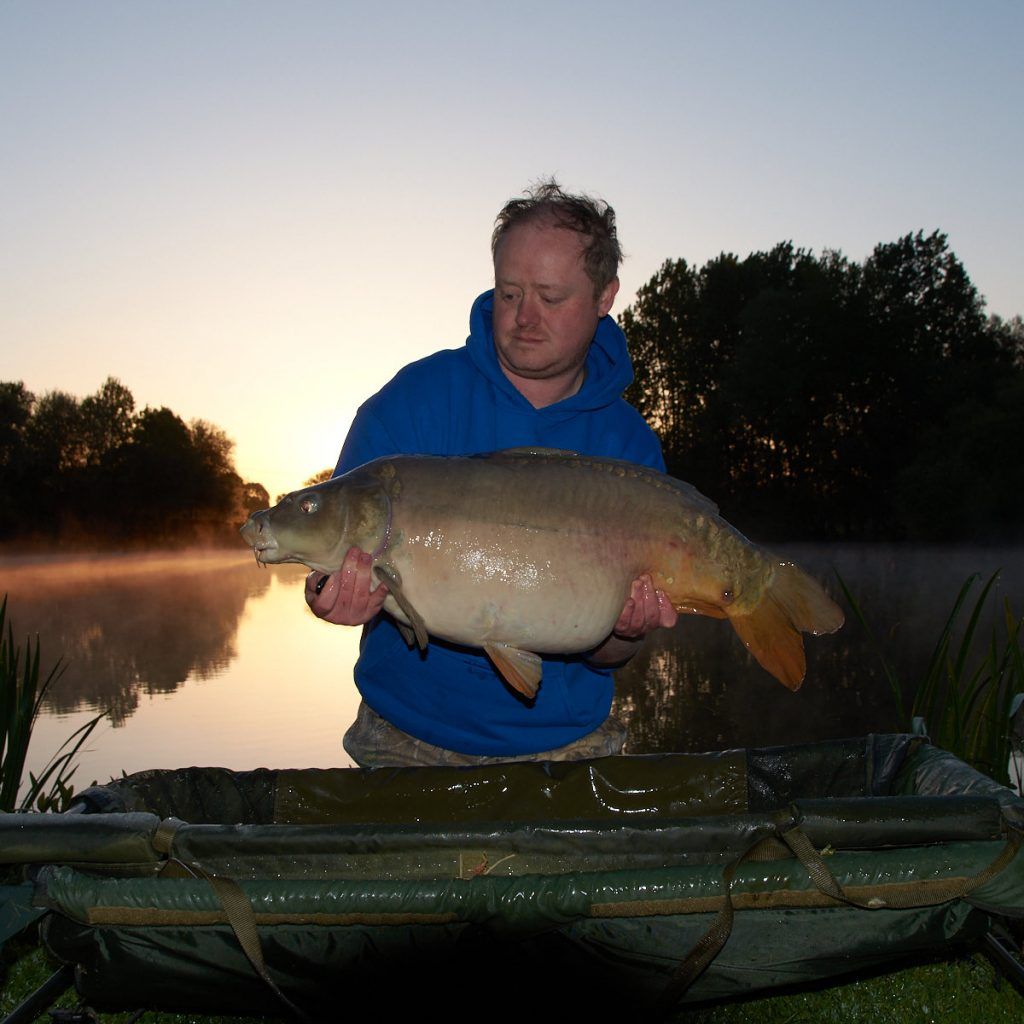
96,472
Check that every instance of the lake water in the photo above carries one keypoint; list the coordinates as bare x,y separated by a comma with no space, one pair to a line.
206,659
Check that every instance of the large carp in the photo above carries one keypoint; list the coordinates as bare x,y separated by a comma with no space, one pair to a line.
529,552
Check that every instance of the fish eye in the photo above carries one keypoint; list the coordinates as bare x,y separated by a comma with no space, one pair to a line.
308,504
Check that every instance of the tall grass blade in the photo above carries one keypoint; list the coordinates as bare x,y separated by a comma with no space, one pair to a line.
936,694
970,692
21,698
887,667
59,768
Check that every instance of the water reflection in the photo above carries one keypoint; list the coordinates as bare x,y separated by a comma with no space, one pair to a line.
207,660
212,661
131,625
697,689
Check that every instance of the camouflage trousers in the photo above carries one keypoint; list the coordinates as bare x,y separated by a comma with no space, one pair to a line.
373,742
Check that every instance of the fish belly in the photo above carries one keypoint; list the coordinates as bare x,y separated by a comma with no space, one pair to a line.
548,602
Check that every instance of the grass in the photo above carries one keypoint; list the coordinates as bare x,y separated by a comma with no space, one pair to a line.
965,990
966,697
27,966
21,696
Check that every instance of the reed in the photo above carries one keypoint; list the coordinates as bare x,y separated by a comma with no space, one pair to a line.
21,696
972,688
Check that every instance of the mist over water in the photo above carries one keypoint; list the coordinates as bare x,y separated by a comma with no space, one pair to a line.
132,626
204,659
208,659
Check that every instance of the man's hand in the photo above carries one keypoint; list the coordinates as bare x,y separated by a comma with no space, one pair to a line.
645,610
344,597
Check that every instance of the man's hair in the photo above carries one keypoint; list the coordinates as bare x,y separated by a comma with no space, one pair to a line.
592,218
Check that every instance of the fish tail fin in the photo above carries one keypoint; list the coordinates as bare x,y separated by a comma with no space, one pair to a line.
793,603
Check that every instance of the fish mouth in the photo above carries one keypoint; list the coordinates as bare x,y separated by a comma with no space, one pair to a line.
264,552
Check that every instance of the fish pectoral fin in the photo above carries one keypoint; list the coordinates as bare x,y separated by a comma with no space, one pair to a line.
694,606
408,633
419,629
521,669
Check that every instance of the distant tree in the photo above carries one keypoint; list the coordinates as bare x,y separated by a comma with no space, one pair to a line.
321,476
154,473
16,404
671,382
176,479
936,366
966,480
54,435
735,370
97,468
1009,336
778,385
212,445
216,482
252,498
51,464
108,418
800,389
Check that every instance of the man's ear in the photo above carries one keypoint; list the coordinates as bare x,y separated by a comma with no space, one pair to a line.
607,297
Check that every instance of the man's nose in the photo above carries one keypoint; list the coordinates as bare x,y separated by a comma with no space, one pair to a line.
527,310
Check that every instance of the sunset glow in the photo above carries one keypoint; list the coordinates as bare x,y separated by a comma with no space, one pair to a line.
255,214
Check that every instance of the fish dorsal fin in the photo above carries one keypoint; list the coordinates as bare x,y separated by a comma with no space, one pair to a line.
390,576
520,669
620,467
532,450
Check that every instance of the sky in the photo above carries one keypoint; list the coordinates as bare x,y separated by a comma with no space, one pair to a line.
256,212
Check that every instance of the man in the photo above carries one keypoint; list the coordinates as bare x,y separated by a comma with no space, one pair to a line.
544,365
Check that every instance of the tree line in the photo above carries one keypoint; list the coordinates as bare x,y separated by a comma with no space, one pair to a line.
811,396
96,469
814,397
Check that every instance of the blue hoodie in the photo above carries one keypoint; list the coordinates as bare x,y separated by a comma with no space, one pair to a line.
459,402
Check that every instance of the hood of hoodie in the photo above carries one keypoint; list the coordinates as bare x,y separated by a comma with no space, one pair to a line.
609,368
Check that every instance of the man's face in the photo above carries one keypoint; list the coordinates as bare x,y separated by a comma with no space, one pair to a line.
545,310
